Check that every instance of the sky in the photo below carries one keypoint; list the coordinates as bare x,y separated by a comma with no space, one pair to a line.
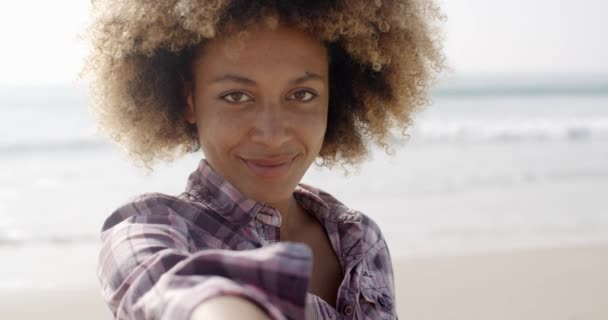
40,43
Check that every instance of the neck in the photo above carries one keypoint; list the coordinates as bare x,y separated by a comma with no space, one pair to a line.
288,209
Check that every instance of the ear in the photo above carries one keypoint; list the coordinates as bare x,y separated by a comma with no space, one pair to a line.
187,94
190,113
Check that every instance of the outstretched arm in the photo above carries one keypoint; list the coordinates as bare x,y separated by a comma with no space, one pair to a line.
149,270
228,308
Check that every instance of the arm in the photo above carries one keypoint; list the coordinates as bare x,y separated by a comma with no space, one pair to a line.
387,260
228,308
381,265
147,270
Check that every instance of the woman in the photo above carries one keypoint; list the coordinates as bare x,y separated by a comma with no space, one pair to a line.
263,88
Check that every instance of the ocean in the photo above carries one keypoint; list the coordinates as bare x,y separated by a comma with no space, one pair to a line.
493,164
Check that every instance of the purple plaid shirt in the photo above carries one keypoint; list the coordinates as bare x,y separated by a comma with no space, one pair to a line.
162,255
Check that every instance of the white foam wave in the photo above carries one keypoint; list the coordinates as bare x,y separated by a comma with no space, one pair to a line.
20,239
507,130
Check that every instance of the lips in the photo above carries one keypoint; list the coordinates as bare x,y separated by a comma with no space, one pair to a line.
269,167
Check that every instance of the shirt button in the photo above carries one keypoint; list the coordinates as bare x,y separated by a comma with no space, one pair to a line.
348,310
382,301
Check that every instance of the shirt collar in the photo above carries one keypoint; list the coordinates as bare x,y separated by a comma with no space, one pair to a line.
210,188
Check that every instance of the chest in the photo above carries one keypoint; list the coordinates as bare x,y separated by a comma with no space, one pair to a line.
327,275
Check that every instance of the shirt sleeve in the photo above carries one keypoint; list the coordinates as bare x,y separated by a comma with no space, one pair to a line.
382,266
147,270
386,261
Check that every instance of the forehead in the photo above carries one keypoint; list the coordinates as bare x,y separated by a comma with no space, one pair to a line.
265,48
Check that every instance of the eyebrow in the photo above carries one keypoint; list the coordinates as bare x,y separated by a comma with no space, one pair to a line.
246,81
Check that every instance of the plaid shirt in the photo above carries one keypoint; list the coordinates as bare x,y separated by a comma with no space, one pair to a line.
161,255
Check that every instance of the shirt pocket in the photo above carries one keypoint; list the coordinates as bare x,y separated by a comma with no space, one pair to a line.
376,303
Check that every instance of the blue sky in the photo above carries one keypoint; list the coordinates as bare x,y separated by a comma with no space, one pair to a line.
40,44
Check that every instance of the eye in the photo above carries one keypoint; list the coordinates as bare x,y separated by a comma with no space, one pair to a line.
304,95
236,97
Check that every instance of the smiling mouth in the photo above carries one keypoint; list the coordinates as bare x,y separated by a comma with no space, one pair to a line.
268,168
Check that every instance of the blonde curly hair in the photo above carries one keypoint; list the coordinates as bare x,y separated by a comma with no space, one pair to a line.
384,56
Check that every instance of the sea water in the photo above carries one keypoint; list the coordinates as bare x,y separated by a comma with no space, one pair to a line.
485,168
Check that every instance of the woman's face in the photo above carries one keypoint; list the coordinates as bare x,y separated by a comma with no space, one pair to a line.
260,105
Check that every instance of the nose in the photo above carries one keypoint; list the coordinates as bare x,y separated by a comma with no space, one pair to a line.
270,127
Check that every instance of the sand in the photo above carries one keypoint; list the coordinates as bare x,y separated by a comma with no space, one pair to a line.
65,304
543,284
564,283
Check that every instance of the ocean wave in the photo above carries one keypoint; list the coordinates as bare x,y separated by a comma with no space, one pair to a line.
51,239
510,130
29,147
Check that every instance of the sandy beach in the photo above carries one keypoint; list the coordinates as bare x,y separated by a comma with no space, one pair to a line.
555,284
541,284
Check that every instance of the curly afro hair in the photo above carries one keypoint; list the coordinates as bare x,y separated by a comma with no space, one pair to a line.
384,57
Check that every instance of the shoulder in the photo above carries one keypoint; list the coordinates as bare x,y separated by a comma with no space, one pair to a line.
153,205
336,210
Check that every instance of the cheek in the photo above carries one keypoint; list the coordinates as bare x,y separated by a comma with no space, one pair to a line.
218,131
321,127
313,126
